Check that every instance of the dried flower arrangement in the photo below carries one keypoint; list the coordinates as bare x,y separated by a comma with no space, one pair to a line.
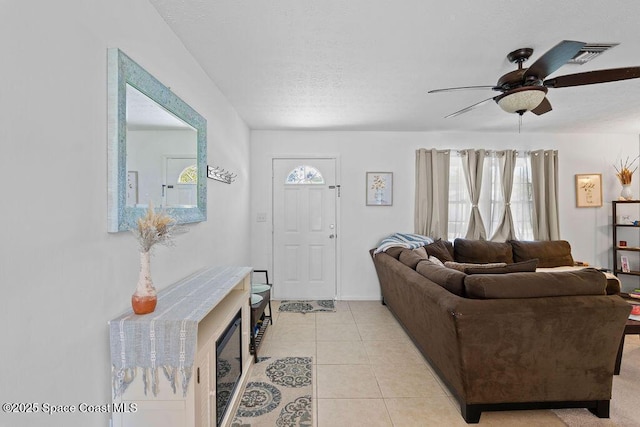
588,186
378,183
624,173
154,228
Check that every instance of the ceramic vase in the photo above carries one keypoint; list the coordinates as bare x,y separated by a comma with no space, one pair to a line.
145,298
626,193
378,197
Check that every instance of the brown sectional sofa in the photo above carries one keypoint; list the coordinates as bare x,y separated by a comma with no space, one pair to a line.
507,340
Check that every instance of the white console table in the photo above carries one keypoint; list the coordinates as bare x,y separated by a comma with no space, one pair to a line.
163,363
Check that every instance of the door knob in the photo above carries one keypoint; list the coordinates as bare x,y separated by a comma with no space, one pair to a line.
331,236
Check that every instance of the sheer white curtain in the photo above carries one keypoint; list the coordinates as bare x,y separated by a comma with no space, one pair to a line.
544,175
491,202
473,166
522,199
505,229
432,193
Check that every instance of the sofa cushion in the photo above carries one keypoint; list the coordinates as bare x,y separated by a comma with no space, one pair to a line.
481,251
516,267
411,257
394,251
534,285
462,266
435,260
450,279
550,253
441,249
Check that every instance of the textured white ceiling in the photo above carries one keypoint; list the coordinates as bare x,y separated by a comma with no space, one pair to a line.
368,64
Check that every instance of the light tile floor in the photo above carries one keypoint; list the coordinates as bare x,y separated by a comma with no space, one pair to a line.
368,373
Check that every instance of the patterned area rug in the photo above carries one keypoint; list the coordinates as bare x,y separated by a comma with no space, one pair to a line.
279,393
290,306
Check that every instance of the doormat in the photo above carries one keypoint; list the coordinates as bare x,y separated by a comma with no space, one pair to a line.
310,306
279,393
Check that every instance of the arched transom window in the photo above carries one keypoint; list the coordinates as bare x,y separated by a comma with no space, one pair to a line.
189,175
305,174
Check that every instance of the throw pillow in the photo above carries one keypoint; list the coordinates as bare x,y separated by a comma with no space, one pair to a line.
462,266
441,249
516,267
482,251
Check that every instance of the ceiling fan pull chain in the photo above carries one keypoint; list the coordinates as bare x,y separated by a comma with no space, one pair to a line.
519,122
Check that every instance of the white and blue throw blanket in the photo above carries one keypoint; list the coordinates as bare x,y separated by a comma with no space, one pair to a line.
404,240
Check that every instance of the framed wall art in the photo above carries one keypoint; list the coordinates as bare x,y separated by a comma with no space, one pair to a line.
589,190
379,188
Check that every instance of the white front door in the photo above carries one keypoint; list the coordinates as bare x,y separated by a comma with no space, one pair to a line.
175,192
304,228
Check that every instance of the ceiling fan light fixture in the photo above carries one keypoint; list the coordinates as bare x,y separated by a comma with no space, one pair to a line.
522,99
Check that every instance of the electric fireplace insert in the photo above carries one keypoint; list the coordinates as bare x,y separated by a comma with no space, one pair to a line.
228,365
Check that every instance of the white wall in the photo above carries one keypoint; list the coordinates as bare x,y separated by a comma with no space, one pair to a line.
361,227
62,276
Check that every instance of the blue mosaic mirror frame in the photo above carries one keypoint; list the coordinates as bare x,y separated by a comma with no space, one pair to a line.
122,70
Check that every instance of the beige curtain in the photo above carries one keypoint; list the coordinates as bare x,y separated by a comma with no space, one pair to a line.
544,175
473,165
505,229
432,193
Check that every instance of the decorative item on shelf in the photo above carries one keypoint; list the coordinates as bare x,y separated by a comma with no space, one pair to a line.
220,174
153,228
625,174
624,263
623,243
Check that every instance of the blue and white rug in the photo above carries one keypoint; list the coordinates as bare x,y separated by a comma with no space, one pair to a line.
306,306
279,393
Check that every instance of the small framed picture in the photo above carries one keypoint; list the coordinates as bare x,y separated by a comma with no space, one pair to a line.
624,264
589,190
379,188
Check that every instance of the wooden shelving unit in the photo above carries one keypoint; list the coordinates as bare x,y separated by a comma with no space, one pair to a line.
617,269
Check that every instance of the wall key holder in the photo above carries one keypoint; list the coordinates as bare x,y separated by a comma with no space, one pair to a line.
220,174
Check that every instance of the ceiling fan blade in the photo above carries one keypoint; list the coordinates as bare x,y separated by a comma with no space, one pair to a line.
553,59
469,108
452,89
593,77
544,107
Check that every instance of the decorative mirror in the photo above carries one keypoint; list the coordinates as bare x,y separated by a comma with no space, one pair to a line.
157,148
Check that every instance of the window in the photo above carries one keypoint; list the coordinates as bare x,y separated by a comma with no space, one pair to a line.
305,174
491,203
189,175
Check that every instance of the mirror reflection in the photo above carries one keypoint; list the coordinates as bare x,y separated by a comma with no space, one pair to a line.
161,155
157,149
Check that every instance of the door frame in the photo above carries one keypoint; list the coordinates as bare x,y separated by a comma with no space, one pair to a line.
338,263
